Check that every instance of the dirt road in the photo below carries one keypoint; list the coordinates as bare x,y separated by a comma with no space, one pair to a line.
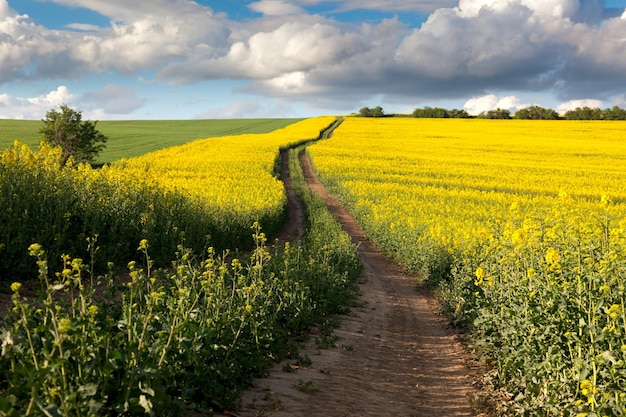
394,355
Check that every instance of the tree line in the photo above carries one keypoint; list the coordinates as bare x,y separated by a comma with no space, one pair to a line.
527,113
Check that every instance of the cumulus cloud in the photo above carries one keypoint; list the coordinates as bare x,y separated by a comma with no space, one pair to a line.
246,108
85,27
464,48
114,100
34,107
573,104
275,8
476,105
142,35
419,6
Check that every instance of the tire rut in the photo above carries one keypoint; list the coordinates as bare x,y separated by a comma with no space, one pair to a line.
394,356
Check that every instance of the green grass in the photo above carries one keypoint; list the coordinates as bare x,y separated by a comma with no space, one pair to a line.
137,137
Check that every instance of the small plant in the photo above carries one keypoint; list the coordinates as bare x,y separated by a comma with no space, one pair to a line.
307,386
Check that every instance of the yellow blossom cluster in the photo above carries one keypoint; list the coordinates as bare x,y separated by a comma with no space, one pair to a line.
522,226
229,173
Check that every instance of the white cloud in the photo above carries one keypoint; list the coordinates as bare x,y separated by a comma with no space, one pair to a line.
247,108
85,27
419,6
114,100
34,107
567,46
476,105
61,95
5,99
111,102
573,104
275,8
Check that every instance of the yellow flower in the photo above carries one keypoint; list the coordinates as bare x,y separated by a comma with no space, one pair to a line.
16,286
614,311
480,273
93,310
480,276
143,245
518,236
605,200
552,256
35,250
65,325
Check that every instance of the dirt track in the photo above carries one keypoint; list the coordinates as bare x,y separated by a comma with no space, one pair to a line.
394,355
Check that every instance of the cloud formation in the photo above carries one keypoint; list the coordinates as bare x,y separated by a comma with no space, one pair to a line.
476,105
33,107
114,99
573,48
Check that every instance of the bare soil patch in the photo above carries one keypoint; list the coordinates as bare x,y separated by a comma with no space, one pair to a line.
394,354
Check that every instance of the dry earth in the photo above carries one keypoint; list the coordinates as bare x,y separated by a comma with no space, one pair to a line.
394,354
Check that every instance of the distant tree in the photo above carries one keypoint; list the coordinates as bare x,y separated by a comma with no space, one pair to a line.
375,112
365,112
430,112
378,112
496,114
584,113
614,113
76,138
536,113
458,114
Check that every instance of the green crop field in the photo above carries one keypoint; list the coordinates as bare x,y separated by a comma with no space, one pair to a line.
137,137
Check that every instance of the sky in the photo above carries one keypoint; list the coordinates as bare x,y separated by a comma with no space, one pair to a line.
186,59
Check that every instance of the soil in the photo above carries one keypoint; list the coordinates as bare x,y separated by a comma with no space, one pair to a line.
394,354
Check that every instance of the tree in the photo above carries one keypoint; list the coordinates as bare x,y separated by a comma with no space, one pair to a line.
431,113
375,112
584,113
365,112
615,113
459,114
496,114
378,112
536,113
76,138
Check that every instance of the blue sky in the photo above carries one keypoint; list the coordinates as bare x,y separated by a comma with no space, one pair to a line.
185,59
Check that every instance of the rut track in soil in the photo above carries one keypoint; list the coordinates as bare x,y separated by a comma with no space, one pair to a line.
394,356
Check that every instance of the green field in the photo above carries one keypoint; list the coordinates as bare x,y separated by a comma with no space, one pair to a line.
137,137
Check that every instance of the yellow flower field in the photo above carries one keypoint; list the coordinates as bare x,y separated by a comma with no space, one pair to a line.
520,227
226,175
208,192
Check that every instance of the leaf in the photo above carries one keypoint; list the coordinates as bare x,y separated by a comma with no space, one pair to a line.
49,411
88,390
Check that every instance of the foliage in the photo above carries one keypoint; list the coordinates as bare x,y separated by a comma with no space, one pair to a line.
208,191
375,112
190,336
495,114
584,113
187,337
77,138
614,113
520,229
587,113
438,112
536,113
